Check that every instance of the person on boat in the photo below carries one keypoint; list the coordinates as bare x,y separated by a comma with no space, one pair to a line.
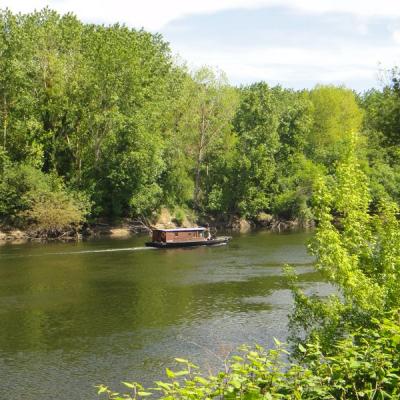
207,232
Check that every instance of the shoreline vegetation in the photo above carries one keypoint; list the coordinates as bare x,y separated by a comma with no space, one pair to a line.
101,123
131,227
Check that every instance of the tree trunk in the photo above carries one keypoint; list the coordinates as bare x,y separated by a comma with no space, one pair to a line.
197,179
199,160
5,122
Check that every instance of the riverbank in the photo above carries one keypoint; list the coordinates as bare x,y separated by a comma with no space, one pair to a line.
95,229
164,219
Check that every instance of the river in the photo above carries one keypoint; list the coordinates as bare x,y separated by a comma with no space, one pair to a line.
108,310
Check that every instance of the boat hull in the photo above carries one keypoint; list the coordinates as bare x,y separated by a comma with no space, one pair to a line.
192,243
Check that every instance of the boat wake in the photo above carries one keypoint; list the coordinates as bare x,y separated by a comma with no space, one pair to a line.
103,250
65,253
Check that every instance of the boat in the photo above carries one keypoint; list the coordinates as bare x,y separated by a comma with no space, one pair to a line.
185,237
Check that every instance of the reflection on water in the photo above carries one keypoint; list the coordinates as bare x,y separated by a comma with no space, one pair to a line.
73,315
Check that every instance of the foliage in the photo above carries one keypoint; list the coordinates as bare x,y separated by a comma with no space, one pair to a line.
256,124
108,110
295,188
381,127
179,216
364,365
209,104
28,196
358,253
54,212
85,101
336,118
383,110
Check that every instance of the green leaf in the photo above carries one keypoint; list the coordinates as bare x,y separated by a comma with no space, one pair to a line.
302,348
163,385
277,342
182,373
201,380
170,374
102,389
129,385
181,360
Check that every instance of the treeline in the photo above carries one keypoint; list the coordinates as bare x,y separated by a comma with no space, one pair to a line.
101,121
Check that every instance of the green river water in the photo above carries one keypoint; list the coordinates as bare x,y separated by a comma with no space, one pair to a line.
105,311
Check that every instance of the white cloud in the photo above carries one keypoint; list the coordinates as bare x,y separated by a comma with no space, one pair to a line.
155,14
396,36
297,67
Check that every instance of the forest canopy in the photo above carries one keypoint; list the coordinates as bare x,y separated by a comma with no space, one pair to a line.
103,120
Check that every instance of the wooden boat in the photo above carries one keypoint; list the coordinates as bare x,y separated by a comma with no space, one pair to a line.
185,237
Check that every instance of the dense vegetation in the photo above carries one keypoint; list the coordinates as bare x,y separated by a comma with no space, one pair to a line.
345,346
100,121
364,365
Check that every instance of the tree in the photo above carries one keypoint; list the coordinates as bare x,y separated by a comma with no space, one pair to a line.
205,125
383,110
357,252
337,117
34,200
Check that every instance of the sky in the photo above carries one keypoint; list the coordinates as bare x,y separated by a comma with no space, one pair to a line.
295,43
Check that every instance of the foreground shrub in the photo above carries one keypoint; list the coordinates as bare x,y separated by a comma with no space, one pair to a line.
364,365
356,251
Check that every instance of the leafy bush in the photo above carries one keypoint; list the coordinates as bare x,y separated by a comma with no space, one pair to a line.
54,212
147,200
215,200
358,253
295,187
292,204
179,216
19,183
30,198
364,365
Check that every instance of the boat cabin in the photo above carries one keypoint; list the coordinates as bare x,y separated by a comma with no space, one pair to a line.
180,235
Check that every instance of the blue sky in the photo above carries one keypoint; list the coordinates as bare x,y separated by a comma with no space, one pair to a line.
295,43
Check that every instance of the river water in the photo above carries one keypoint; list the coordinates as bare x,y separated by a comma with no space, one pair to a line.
105,311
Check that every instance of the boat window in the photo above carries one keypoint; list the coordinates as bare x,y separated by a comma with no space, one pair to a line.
176,233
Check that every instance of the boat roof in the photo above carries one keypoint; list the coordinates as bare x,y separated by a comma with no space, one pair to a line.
198,228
